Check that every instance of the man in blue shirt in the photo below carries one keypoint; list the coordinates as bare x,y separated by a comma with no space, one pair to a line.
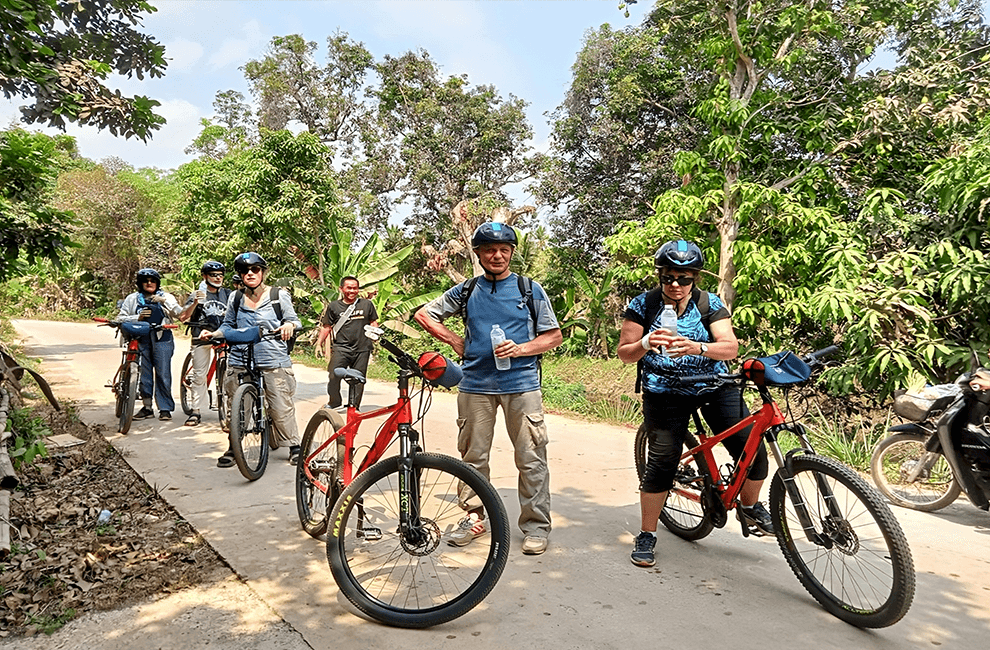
497,298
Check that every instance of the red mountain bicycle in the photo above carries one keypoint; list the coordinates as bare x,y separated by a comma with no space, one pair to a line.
214,375
836,531
388,518
125,382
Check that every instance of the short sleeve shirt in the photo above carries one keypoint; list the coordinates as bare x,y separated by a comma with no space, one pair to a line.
500,303
660,372
351,333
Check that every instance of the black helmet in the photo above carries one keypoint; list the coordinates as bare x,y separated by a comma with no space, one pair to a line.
236,279
679,254
144,274
493,233
212,266
244,261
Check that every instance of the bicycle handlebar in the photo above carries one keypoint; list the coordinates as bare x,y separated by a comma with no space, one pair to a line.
402,358
812,359
106,322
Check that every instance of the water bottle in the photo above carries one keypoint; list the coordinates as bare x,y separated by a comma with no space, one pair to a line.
668,321
498,337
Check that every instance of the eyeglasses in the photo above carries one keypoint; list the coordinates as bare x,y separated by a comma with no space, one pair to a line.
218,274
681,281
253,269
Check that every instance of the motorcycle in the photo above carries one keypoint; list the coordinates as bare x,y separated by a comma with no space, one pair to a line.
943,451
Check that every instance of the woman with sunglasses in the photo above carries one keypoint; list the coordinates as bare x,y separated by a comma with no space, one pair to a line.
700,346
255,306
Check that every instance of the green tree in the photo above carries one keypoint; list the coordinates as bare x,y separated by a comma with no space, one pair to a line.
31,228
231,128
449,141
264,198
626,113
59,54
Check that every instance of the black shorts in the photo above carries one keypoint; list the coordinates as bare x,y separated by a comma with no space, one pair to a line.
667,416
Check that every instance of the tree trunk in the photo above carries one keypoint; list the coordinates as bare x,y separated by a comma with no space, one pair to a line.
728,231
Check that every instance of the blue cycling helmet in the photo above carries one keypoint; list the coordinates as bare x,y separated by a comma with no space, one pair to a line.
493,233
244,261
679,254
145,274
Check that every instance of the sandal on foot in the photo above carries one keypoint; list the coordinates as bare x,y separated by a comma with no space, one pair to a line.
227,460
193,420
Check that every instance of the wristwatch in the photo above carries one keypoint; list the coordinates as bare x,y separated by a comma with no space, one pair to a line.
704,349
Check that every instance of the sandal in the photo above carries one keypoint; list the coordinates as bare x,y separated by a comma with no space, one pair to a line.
193,420
227,460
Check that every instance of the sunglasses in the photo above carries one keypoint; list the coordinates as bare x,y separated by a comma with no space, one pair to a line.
254,269
218,274
682,281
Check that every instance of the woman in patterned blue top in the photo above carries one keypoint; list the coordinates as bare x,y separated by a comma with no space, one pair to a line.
667,406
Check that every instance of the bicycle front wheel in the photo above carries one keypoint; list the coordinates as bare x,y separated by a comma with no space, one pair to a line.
312,502
127,396
186,386
682,513
859,565
404,573
248,435
902,456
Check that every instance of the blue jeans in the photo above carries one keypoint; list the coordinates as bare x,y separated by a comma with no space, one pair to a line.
156,371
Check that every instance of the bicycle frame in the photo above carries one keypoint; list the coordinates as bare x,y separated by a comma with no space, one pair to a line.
399,421
767,422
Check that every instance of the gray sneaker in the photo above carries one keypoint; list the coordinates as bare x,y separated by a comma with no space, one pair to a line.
469,528
643,553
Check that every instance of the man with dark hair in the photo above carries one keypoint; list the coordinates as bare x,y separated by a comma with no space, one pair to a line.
342,324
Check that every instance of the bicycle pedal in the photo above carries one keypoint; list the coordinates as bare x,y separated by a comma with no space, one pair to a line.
370,534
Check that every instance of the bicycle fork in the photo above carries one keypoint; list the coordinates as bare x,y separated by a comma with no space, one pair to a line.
786,470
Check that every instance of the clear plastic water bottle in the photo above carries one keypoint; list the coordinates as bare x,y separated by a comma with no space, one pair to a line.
668,321
498,337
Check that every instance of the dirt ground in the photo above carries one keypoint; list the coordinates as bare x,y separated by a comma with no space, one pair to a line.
65,561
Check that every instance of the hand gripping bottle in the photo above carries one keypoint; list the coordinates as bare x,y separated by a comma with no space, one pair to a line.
498,337
668,321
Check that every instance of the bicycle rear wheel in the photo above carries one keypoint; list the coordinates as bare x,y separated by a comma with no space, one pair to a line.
218,376
904,454
860,567
127,396
682,513
248,435
312,502
412,578
186,386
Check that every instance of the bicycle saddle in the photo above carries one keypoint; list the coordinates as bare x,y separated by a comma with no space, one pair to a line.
349,375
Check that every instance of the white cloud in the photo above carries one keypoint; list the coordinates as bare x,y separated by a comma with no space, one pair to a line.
182,55
236,52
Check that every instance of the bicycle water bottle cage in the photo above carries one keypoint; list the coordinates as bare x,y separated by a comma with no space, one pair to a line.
244,335
135,329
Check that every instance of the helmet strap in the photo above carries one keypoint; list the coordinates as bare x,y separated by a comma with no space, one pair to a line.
212,284
256,292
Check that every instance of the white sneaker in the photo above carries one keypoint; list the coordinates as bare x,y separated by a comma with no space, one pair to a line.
467,530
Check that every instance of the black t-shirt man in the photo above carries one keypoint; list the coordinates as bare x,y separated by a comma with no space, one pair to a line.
343,324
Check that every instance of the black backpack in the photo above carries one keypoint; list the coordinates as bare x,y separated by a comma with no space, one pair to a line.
654,303
273,294
525,290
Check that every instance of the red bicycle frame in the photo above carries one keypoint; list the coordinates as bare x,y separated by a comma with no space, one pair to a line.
400,415
767,417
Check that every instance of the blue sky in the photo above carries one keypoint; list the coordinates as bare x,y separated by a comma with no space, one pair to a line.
522,47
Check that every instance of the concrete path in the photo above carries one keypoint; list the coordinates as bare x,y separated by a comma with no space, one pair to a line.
583,593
